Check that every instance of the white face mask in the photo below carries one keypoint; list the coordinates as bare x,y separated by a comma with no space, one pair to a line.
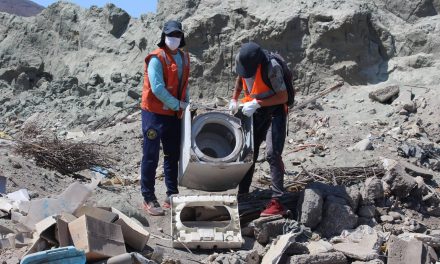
172,43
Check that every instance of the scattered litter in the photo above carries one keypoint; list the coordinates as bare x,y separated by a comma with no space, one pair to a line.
58,255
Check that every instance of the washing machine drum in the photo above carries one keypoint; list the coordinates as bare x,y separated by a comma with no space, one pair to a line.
217,137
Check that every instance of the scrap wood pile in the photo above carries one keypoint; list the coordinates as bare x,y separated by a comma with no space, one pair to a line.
335,176
64,156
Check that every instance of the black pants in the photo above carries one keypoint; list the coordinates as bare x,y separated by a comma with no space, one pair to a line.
270,125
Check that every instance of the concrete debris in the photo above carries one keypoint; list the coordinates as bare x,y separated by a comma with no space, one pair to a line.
374,261
134,234
320,246
311,207
363,243
385,95
401,183
238,257
277,249
267,228
322,258
336,218
433,241
412,251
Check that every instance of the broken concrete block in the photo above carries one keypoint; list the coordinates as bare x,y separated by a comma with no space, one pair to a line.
134,234
320,246
322,258
336,218
311,207
277,249
97,238
401,184
238,257
62,230
7,238
415,171
5,204
361,244
267,228
68,201
374,261
97,213
413,251
385,95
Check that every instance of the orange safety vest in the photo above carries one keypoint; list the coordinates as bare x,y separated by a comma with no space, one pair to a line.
260,89
171,78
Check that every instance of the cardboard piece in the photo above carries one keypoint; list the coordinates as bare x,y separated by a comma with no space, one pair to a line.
62,231
134,234
97,238
98,213
73,197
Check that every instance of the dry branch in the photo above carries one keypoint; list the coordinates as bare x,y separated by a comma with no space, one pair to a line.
64,156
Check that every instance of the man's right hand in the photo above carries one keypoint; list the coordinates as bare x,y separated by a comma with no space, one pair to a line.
233,106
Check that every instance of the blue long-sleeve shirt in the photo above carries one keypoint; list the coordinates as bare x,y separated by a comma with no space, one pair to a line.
155,75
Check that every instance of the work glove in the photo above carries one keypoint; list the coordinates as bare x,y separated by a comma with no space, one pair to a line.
233,106
249,108
183,105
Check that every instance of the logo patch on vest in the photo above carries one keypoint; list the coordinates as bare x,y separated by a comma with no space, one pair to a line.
151,134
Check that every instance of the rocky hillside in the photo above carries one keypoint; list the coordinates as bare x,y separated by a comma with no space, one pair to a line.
24,8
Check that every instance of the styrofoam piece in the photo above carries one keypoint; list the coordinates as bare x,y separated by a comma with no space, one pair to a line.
197,169
21,195
205,234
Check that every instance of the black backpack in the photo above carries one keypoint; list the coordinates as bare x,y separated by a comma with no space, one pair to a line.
287,75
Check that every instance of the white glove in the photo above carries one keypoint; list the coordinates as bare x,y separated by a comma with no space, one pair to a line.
183,105
249,108
233,106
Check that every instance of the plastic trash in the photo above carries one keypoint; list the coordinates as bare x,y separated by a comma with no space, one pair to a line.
65,255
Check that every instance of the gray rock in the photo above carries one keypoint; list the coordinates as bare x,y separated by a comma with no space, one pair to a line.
386,218
95,79
133,94
372,191
322,258
336,218
118,99
401,184
116,77
368,211
22,83
311,207
374,261
363,145
238,257
119,19
385,95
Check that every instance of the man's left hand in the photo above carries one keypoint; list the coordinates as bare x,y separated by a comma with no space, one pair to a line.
249,108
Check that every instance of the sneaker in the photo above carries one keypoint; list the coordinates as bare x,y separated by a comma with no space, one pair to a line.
153,208
274,207
167,203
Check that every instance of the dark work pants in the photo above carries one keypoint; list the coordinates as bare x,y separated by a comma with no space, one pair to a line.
155,129
270,125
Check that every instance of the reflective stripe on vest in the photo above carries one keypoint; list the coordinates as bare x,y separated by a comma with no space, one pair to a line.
171,79
260,89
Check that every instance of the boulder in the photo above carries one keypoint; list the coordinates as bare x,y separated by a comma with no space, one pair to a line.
385,95
311,207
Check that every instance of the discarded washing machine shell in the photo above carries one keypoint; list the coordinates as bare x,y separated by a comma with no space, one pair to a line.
205,221
216,151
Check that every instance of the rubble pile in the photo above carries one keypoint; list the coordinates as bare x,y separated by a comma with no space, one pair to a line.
362,163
